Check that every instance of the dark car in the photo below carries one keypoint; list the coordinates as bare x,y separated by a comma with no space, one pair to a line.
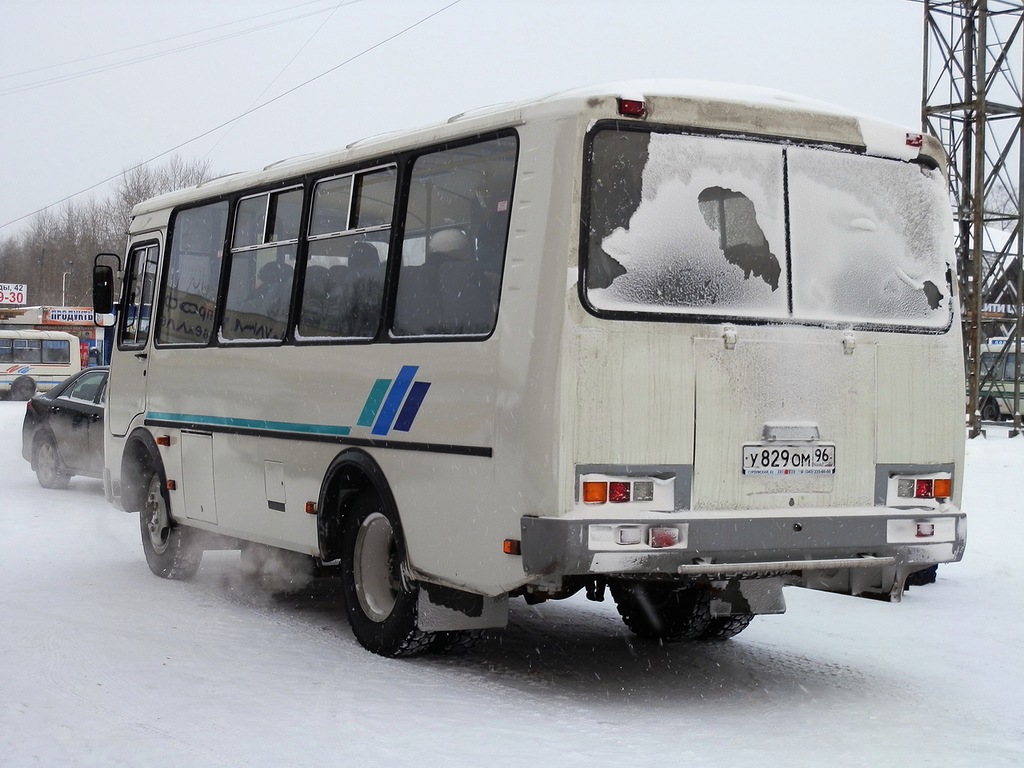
62,435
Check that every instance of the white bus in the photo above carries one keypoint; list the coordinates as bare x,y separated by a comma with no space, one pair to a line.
678,343
34,361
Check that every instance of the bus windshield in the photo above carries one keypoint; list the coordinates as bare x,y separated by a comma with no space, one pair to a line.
707,227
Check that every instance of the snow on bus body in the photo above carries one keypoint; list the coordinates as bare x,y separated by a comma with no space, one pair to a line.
752,380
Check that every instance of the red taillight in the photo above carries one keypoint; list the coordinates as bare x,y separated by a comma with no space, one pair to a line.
632,108
618,491
923,489
664,537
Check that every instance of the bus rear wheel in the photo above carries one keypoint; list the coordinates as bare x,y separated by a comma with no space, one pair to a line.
23,388
169,550
381,607
726,627
662,610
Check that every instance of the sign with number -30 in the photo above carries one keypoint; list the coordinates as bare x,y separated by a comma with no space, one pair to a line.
13,293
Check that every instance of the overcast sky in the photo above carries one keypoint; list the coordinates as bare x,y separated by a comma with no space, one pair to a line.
89,89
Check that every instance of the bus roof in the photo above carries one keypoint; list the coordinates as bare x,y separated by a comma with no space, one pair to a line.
29,333
699,104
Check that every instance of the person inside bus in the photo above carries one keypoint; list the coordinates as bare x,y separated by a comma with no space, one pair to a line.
468,290
366,280
273,289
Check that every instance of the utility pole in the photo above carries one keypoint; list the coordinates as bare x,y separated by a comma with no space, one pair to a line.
973,61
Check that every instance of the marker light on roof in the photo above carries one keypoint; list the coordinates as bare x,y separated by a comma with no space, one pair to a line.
632,108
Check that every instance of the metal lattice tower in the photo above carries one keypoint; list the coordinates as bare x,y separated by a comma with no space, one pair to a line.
973,57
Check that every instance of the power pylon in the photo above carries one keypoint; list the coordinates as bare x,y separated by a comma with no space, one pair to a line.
973,57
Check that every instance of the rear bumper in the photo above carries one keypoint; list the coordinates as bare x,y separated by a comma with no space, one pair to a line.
746,544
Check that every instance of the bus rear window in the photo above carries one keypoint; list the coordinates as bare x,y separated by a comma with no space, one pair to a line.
708,227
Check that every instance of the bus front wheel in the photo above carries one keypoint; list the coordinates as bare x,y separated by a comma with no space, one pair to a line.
169,552
381,606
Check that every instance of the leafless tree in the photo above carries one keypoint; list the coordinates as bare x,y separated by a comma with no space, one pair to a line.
53,254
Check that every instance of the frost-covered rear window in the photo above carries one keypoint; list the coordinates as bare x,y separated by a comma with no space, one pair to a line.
683,225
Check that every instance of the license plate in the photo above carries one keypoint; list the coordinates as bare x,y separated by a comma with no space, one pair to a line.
775,459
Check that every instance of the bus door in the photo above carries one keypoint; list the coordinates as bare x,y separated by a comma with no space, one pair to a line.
128,374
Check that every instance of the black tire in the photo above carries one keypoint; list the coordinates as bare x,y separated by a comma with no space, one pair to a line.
662,611
990,410
381,608
23,388
923,577
726,627
50,470
168,546
456,641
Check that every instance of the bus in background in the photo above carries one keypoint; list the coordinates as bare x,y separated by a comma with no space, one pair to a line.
34,361
682,343
999,375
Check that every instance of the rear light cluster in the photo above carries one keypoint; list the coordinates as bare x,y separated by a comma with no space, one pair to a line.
929,490
920,488
617,491
624,493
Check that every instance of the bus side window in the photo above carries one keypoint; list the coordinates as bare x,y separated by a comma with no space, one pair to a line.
189,302
350,225
456,229
262,266
139,293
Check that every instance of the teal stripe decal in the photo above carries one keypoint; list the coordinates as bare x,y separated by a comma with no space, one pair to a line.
270,426
380,388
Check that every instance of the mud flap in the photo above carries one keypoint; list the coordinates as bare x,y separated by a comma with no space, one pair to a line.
747,596
443,609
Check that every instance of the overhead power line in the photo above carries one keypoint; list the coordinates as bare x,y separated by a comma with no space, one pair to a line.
42,83
235,119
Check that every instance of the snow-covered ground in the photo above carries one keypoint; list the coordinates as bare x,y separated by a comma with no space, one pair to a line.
104,664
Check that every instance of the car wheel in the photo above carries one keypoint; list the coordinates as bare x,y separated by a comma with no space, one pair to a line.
381,606
23,388
50,470
169,550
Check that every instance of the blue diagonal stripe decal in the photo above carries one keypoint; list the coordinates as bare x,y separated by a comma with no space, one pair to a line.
393,401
